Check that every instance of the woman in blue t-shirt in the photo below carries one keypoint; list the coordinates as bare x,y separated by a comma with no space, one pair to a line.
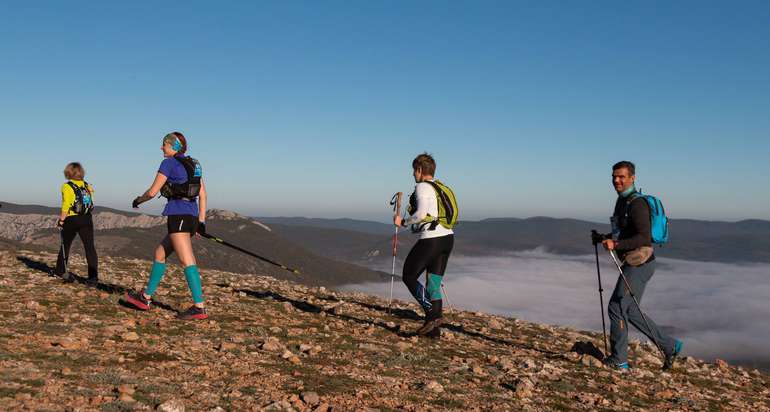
179,179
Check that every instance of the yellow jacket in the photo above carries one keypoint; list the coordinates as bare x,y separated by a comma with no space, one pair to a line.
68,196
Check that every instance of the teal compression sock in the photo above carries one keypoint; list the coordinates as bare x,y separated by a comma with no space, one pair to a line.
156,274
434,286
194,283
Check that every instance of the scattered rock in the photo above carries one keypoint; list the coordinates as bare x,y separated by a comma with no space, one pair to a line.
272,345
173,405
124,397
523,388
311,398
126,389
495,324
226,346
130,336
403,346
324,407
434,386
66,343
590,361
666,394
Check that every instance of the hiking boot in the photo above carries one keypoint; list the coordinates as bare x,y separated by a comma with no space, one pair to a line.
671,359
137,300
92,282
67,277
429,326
434,334
192,313
614,364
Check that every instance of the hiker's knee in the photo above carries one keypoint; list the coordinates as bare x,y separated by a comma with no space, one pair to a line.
614,309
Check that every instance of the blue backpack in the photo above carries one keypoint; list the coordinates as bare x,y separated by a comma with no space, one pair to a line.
658,218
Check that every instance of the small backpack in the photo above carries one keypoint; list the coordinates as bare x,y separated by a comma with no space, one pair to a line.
191,188
84,202
448,213
658,218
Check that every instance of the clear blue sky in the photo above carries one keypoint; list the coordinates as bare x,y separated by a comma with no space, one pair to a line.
317,108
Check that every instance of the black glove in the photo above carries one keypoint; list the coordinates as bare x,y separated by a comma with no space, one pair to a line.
139,200
597,237
201,228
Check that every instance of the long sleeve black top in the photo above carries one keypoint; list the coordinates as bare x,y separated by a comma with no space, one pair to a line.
634,222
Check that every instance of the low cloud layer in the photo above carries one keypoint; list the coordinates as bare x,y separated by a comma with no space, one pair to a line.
719,310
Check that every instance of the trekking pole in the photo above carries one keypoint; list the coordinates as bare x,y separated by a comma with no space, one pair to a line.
264,259
395,201
448,302
628,287
594,237
65,275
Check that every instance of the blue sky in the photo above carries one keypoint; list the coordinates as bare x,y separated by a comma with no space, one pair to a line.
317,108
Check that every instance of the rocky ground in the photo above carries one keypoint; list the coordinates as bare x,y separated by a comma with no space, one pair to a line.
276,345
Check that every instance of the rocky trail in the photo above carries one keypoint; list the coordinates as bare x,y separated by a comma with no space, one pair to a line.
277,345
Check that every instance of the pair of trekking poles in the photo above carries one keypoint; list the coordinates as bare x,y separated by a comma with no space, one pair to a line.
596,239
395,201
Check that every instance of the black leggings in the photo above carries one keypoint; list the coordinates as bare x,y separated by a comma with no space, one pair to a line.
427,254
82,226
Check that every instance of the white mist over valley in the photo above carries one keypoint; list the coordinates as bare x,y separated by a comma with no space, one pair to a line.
719,310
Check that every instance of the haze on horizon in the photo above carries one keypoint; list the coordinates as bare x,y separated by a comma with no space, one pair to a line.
303,109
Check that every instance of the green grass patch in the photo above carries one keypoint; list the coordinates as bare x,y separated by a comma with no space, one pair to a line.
449,403
117,406
12,392
109,377
155,357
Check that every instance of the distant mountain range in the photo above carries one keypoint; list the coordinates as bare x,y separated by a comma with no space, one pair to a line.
747,241
339,251
131,235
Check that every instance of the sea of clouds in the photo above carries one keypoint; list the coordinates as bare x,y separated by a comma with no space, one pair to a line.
719,310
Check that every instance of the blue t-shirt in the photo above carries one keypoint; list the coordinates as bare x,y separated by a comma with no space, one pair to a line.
175,172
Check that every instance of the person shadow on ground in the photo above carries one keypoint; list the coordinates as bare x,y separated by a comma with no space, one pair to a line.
404,314
77,280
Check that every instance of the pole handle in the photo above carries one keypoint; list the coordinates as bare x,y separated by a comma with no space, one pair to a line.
395,201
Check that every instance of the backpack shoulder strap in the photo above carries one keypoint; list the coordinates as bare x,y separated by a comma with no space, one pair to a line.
190,165
74,187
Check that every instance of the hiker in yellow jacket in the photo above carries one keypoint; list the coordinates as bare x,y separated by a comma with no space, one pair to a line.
75,219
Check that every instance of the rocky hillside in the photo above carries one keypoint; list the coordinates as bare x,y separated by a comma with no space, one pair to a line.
27,227
127,235
277,345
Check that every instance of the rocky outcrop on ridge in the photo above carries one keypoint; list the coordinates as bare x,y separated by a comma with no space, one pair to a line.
278,345
24,228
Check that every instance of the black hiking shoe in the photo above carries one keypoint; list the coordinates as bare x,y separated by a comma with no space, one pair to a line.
429,326
67,277
92,282
671,359
193,313
137,300
434,334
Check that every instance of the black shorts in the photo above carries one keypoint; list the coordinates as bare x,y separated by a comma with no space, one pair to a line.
182,224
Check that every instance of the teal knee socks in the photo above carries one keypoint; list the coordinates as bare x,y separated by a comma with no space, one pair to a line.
434,286
156,274
193,277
